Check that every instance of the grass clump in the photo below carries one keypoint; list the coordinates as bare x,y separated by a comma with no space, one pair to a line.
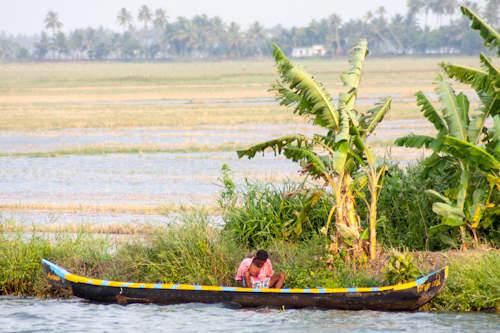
190,250
473,283
259,212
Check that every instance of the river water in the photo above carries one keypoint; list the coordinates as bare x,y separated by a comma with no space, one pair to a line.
75,315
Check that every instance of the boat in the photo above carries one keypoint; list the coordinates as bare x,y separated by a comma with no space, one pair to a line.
402,297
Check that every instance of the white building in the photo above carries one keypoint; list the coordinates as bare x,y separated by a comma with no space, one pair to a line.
315,50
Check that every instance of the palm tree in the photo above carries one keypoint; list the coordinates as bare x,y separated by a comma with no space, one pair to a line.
124,18
438,7
160,19
52,22
257,33
42,47
60,44
145,16
75,42
335,22
450,7
415,7
235,39
492,12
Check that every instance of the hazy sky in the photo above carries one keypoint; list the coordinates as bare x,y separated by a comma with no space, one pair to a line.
26,16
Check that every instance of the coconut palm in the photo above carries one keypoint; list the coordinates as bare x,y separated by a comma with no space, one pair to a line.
52,22
492,13
145,16
75,42
42,47
60,44
160,19
124,18
235,40
335,21
415,7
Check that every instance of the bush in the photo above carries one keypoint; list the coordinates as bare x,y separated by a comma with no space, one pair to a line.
258,213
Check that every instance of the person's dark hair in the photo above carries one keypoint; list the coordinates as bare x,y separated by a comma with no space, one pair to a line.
261,255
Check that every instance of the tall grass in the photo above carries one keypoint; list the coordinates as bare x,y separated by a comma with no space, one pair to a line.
473,283
190,250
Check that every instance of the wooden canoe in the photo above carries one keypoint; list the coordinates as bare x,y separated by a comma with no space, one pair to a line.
403,297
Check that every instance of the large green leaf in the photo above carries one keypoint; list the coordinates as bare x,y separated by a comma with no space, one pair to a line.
494,73
431,114
315,164
478,79
352,77
374,117
452,113
490,36
474,156
419,141
438,196
438,228
490,107
448,211
277,145
312,92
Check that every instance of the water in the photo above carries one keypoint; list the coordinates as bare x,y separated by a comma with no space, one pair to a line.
75,315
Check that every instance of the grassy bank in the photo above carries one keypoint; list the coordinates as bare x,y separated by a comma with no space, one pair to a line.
191,250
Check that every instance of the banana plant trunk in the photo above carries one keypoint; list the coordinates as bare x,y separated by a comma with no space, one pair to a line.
373,230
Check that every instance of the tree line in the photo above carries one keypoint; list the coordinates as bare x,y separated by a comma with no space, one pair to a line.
152,35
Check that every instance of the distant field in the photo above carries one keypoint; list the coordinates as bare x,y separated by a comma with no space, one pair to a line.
123,142
74,95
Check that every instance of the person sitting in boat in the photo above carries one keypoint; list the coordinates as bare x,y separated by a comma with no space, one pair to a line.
258,273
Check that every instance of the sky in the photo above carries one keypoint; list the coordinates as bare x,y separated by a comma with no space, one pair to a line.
26,16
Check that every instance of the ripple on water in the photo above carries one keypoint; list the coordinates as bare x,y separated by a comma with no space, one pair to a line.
57,315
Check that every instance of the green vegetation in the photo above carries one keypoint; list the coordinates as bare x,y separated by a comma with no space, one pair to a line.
473,283
401,268
335,155
469,150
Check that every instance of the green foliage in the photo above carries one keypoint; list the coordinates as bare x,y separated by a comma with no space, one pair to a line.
191,249
256,213
401,268
333,156
473,283
21,254
468,148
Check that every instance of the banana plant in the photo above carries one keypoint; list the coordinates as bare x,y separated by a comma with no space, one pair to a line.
334,154
464,145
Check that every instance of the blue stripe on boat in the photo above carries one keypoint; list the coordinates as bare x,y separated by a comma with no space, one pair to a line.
89,282
228,289
256,290
374,288
321,291
197,287
175,286
421,281
105,282
126,284
286,291
352,290
307,291
157,286
142,286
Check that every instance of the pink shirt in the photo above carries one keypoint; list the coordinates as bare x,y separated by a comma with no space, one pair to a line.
265,272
